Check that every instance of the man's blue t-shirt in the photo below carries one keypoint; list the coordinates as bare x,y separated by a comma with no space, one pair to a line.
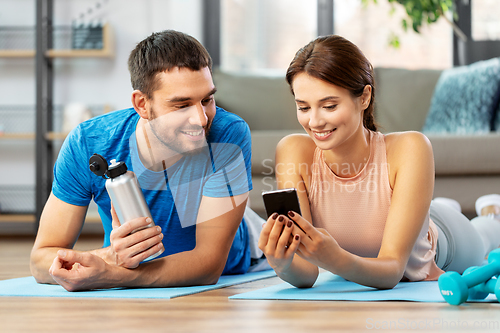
221,169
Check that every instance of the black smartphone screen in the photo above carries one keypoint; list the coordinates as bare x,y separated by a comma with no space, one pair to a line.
281,201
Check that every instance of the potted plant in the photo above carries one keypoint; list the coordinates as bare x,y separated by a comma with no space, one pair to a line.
424,11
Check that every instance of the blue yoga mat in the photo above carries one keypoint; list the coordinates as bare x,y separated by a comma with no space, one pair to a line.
28,287
330,287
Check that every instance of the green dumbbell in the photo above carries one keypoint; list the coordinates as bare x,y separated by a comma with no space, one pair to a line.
455,287
482,290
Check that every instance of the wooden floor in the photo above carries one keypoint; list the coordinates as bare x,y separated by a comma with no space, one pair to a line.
212,311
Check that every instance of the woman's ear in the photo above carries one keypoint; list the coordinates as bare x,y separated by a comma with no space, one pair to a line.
366,97
140,101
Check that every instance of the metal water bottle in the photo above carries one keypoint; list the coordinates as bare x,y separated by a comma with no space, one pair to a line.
125,194
123,189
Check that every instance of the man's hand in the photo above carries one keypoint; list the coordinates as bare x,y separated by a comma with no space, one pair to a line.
129,249
78,270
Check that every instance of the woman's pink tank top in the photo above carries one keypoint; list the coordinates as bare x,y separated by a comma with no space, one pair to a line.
354,210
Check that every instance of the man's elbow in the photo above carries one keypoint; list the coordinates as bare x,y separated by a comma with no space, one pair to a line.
40,274
37,274
212,273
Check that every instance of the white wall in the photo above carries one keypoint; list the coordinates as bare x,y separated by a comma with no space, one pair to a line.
92,81
107,81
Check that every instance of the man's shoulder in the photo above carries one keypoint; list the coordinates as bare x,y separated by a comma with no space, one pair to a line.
108,131
110,120
107,125
227,125
225,117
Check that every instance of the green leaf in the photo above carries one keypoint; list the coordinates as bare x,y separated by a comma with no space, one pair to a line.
394,41
405,25
418,13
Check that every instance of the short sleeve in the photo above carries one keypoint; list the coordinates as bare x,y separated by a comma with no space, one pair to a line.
72,183
231,163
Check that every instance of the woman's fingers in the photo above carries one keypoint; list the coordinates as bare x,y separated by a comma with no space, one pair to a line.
303,227
294,245
266,230
284,239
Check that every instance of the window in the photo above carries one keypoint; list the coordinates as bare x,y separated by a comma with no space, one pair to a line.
262,36
485,20
370,28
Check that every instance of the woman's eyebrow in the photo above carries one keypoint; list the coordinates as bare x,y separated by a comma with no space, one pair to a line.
328,98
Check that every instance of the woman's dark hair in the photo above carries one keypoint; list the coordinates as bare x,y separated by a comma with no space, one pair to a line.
336,60
163,51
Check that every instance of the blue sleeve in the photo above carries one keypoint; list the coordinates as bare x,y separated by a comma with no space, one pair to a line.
231,163
72,182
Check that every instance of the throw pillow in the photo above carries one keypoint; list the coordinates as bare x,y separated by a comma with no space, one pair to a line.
496,125
465,99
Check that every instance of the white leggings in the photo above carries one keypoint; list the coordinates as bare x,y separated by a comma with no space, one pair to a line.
462,243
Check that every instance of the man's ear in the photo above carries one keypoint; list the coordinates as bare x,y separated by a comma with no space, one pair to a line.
140,102
366,97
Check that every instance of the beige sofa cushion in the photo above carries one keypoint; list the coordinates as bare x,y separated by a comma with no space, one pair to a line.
403,98
264,148
466,154
265,102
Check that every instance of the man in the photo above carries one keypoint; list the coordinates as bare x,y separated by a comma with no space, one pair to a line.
192,161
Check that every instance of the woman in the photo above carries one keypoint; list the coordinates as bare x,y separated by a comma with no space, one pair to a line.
365,197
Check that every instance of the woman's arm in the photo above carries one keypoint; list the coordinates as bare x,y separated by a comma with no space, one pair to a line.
293,164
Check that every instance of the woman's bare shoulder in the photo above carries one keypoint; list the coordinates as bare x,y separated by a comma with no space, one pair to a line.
402,143
298,147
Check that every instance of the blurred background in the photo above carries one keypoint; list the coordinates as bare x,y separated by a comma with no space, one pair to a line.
64,61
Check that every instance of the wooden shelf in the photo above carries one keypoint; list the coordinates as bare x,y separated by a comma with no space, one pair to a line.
17,53
31,136
55,136
17,136
18,218
106,52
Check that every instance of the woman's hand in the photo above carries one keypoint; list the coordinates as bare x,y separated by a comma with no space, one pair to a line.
316,246
278,243
129,248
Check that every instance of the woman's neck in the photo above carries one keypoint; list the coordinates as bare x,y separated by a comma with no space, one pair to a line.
349,159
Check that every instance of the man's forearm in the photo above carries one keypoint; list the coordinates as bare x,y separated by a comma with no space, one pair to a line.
40,262
42,259
104,253
177,270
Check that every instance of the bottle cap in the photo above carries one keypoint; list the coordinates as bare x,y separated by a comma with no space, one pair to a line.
98,165
116,169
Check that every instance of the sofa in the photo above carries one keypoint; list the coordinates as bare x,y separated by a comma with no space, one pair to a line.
467,165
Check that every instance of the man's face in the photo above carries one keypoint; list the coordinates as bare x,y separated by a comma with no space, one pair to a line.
181,111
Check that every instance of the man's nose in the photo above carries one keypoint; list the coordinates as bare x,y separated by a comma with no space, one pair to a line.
199,117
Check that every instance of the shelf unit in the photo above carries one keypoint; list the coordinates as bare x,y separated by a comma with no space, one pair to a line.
107,50
14,131
17,201
44,134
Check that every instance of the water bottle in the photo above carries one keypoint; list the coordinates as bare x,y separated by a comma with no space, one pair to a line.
124,191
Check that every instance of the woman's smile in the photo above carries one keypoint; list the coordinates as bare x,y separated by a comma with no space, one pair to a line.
322,135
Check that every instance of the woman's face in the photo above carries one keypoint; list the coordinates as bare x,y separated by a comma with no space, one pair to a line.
328,113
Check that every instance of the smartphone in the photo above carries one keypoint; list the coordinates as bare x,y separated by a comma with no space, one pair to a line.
281,201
